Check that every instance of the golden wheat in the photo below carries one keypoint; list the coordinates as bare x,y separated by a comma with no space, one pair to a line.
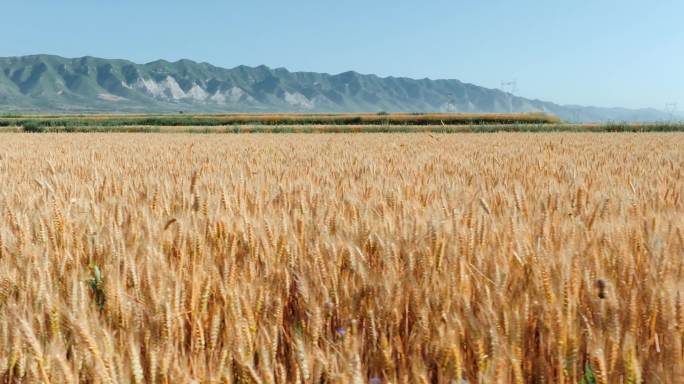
498,258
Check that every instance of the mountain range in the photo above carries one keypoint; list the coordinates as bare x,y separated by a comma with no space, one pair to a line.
48,83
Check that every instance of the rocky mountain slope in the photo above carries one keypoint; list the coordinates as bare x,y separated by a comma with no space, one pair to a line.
45,83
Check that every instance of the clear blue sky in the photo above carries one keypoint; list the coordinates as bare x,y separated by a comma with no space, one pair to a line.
595,52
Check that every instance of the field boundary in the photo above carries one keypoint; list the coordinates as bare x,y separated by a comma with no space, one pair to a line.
329,129
318,123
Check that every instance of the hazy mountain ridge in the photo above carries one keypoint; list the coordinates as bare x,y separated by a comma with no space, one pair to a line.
45,83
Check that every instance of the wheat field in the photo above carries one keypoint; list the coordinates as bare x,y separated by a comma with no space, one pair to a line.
379,258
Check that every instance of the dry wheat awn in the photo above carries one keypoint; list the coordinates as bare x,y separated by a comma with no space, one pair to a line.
383,258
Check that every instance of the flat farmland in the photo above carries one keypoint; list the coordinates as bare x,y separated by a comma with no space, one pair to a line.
403,258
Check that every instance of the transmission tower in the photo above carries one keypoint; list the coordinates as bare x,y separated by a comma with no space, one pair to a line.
451,103
671,109
510,88
576,113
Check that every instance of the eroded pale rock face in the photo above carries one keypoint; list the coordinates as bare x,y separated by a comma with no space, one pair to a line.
218,97
149,86
197,93
172,89
109,97
298,100
232,95
167,89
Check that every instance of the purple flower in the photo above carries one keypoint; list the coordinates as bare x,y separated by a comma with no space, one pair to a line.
375,380
341,331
